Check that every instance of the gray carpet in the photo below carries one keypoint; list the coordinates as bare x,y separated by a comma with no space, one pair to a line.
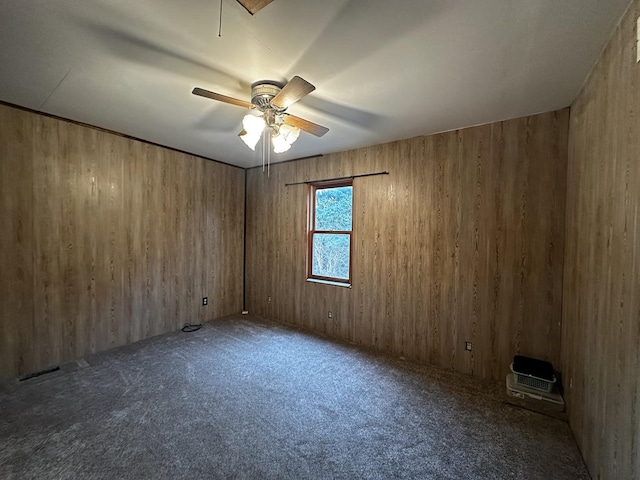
245,398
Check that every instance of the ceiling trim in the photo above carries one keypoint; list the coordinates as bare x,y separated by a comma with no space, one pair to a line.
289,161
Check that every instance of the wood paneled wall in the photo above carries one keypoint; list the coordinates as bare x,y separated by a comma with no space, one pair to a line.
601,307
463,241
106,240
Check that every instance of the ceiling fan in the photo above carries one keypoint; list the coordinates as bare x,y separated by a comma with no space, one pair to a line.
254,6
269,102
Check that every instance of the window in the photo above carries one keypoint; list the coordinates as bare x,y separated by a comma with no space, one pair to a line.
330,231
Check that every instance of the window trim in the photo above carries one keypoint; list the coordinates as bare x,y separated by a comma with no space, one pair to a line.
311,221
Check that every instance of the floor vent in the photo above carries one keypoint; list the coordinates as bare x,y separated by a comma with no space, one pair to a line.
40,373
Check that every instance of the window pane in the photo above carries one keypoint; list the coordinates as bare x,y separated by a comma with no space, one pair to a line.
331,255
333,208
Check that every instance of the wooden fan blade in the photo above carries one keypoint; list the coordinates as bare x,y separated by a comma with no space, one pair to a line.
292,92
254,6
306,125
221,98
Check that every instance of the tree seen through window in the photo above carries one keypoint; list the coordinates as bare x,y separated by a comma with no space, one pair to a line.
330,231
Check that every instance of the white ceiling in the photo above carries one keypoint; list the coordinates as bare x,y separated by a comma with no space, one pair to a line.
384,70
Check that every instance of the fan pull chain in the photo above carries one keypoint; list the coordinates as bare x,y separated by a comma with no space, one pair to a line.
264,136
220,24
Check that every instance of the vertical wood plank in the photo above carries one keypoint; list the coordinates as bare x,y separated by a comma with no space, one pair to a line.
47,241
17,352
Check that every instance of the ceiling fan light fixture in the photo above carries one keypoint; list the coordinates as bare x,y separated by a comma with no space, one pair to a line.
289,133
250,139
280,144
267,109
253,124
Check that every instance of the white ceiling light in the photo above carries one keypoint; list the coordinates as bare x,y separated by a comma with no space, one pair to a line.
289,132
253,124
253,128
283,137
264,125
280,145
250,140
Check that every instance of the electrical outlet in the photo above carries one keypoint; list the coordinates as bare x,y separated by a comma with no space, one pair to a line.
330,314
467,346
268,299
205,300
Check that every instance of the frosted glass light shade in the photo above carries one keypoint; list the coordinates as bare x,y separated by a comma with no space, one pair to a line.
289,133
253,125
280,144
250,139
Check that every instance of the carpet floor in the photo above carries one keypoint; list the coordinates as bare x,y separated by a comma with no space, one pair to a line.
244,398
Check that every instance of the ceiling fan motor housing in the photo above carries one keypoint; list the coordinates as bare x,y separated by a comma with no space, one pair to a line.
262,92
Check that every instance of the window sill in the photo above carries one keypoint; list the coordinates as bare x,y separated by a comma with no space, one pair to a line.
329,282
